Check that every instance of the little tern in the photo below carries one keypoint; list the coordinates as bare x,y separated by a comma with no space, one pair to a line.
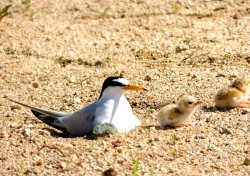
177,114
111,107
234,95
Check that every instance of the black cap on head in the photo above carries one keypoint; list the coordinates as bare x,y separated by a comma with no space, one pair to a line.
110,82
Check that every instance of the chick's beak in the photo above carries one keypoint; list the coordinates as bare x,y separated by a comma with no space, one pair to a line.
198,102
133,87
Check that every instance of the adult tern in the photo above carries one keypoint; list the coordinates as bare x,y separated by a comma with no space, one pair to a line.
111,107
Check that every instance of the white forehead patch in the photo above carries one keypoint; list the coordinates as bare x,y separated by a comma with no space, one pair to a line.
123,81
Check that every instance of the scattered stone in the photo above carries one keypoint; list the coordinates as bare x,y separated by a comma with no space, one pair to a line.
157,139
63,165
152,128
170,170
98,63
248,59
38,162
245,111
35,85
119,150
120,160
194,76
246,162
77,100
80,163
30,126
141,130
15,125
110,172
148,78
69,146
117,143
27,132
73,79
237,16
179,49
13,107
4,134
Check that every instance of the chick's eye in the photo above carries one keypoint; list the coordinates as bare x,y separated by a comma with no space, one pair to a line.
190,102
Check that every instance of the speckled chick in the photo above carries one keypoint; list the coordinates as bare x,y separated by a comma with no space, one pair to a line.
174,115
234,95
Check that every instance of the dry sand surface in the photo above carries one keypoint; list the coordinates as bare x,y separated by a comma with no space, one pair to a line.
55,54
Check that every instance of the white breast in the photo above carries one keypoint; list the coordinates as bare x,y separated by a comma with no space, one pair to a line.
118,112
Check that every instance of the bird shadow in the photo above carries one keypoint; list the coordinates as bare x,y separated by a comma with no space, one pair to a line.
214,109
56,134
149,127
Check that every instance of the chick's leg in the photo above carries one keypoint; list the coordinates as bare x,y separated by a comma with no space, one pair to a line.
184,124
244,105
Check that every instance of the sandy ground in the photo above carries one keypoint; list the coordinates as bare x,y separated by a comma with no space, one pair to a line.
55,54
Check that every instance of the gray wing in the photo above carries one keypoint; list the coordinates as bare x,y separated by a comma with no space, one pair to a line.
81,122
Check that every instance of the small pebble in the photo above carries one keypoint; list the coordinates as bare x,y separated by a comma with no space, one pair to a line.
156,139
69,146
77,100
63,165
80,163
30,126
38,162
148,78
98,63
72,79
15,125
35,85
179,49
13,107
245,111
27,132
119,150
246,162
120,160
110,172
152,128
237,16
4,134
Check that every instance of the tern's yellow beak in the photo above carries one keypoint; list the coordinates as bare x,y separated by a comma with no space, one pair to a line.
132,87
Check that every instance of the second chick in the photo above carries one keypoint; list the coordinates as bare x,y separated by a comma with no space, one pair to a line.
234,95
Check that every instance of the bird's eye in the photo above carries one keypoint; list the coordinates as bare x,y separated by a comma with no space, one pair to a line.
190,102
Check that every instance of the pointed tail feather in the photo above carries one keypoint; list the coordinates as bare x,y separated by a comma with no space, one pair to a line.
49,120
42,111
